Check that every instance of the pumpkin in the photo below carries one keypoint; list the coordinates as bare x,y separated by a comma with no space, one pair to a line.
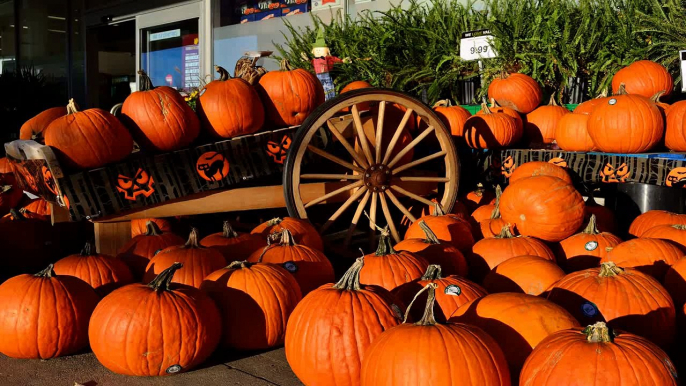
303,232
597,354
102,272
517,322
496,108
571,133
435,251
450,228
454,117
198,262
138,251
478,197
626,124
531,275
37,209
539,168
675,233
289,95
309,266
140,226
426,352
653,218
10,193
675,282
358,313
517,91
255,301
675,133
585,249
451,293
590,105
230,107
155,329
492,226
356,85
234,246
643,77
388,268
490,130
624,298
88,139
159,118
650,256
490,252
605,217
44,316
542,123
482,213
34,127
544,207
5,167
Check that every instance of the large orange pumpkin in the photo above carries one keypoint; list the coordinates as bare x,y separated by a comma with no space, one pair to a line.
539,168
531,275
88,139
585,249
675,133
234,246
451,293
138,251
37,209
492,226
650,256
140,226
674,233
571,133
517,91
303,232
653,218
358,313
545,207
624,298
289,95
454,117
490,130
34,127
450,228
599,355
44,316
590,105
230,107
541,123
255,301
356,85
645,78
675,282
102,272
159,118
496,108
309,266
518,322
435,251
198,262
155,329
425,352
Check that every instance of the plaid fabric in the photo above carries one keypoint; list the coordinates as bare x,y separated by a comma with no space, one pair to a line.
322,65
327,83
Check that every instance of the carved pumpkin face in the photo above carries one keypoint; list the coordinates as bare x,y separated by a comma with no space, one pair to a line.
676,177
212,166
558,162
611,174
140,184
508,166
278,150
49,180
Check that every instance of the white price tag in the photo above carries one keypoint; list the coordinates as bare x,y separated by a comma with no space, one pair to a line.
476,45
682,56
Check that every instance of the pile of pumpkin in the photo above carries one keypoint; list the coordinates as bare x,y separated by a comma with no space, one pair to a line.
160,120
14,205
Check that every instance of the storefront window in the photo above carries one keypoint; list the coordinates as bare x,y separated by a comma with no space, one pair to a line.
7,37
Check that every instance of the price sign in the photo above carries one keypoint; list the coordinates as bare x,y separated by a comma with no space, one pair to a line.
682,56
476,45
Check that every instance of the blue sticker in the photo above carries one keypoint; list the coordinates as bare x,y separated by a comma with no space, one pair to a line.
452,290
589,309
290,267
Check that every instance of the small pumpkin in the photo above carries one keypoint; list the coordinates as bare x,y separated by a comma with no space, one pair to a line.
255,301
675,233
450,228
519,92
532,275
675,282
539,168
650,256
590,105
490,130
234,246
519,123
138,251
653,218
454,117
34,127
571,133
435,251
675,133
131,329
198,262
542,123
230,107
303,232
44,316
356,85
309,266
492,226
643,77
140,226
88,139
478,197
37,209
585,249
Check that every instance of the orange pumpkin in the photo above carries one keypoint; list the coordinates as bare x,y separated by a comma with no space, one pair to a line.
450,228
454,117
289,95
531,275
675,282
653,218
230,107
10,193
650,256
356,85
675,134
645,78
482,213
303,232
619,359
518,322
479,197
490,130
517,91
309,266
138,251
660,105
198,262
37,209
34,127
590,105
492,226
545,207
496,108
674,233
623,298
571,133
140,226
435,252
539,168
541,123
585,249
159,118
234,246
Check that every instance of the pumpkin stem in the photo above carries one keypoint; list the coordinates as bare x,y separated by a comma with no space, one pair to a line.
274,221
603,94
430,236
433,272
656,98
163,280
286,65
385,247
680,227
599,333
227,231
72,107
494,103
145,81
552,101
88,249
622,89
193,239
609,269
240,264
428,319
282,238
505,233
485,109
443,103
47,272
592,227
351,279
151,229
495,214
438,209
223,74
17,214
479,191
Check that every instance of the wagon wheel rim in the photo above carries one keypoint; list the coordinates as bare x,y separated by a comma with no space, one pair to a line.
374,176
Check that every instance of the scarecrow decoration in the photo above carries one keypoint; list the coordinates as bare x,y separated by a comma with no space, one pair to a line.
323,64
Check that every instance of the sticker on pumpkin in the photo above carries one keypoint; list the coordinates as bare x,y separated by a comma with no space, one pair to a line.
212,166
173,369
508,166
591,246
396,310
140,184
290,267
278,150
676,178
558,162
453,290
610,174
49,180
589,309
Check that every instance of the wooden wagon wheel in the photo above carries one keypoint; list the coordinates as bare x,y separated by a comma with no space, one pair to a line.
371,160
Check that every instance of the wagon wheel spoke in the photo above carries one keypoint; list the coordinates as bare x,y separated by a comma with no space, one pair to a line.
400,206
396,135
424,179
389,219
360,160
356,217
361,135
412,195
335,192
372,218
379,131
331,176
419,162
411,146
334,159
342,209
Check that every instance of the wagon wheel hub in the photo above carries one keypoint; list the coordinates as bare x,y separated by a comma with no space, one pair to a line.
377,177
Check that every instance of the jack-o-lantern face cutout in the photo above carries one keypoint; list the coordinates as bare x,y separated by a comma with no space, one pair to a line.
611,174
676,178
140,184
212,166
557,161
49,180
278,150
508,166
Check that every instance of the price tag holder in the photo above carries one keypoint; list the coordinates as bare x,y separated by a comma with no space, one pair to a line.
476,45
682,56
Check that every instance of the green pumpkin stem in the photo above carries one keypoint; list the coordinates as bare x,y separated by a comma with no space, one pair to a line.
495,214
47,272
145,81
286,65
228,232
505,233
609,269
72,108
88,249
428,319
680,227
193,239
385,247
430,236
351,279
599,333
592,227
240,264
223,74
433,272
151,229
163,280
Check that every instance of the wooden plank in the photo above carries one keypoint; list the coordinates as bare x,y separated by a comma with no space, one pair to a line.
111,237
